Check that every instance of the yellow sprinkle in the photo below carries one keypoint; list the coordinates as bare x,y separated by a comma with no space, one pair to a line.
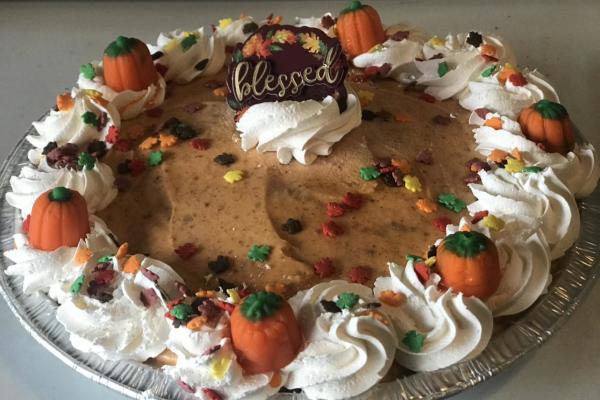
148,143
430,261
220,91
493,223
426,206
195,324
167,140
513,165
365,97
376,48
172,45
437,42
412,183
219,367
233,176
234,296
225,22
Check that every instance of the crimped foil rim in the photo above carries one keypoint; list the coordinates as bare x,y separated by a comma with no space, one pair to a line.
578,270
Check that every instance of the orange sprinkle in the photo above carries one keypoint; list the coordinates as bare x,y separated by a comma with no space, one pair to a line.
135,131
148,143
275,380
488,50
64,102
465,228
391,298
277,288
206,293
403,118
426,206
403,165
495,123
505,73
497,155
132,265
122,251
195,324
376,315
167,140
516,154
220,91
83,255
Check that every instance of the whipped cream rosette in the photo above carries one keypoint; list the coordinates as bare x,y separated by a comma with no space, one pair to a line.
129,103
452,63
507,97
53,272
404,45
112,316
96,185
578,170
87,118
347,351
301,130
538,200
445,326
188,54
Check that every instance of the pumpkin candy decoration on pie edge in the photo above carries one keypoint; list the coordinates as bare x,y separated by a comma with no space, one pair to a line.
128,65
468,263
265,333
548,123
359,28
59,217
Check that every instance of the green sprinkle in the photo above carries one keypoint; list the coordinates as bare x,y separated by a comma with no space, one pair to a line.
466,244
413,258
489,71
369,173
155,158
261,305
77,284
188,42
238,56
532,169
105,259
347,300
451,202
414,341
86,161
443,69
259,253
88,71
182,311
89,118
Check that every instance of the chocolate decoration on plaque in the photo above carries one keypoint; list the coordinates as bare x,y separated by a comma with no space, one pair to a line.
284,62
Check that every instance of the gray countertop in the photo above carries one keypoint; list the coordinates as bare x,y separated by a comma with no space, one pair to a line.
43,44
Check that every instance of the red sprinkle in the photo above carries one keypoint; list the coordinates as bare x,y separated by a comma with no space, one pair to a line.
353,200
171,304
422,271
200,144
186,251
482,112
113,135
161,69
428,98
489,58
360,274
211,394
123,145
26,223
155,112
225,306
371,71
185,386
104,277
331,229
137,167
518,79
335,210
244,292
479,215
441,222
324,268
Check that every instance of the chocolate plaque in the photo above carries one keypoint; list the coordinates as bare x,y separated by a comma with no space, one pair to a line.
284,62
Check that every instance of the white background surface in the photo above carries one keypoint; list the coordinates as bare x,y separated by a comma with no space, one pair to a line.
42,46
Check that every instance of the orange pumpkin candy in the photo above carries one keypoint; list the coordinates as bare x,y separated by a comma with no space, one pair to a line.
468,263
59,217
548,124
265,334
359,28
128,65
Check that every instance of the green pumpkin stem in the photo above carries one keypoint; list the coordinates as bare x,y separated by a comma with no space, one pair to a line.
60,194
354,6
123,45
551,110
466,244
261,305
